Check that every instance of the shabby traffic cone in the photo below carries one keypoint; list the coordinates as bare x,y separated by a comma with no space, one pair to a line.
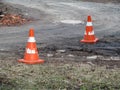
89,36
31,55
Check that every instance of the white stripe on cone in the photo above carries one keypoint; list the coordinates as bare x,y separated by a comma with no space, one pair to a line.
90,33
31,39
89,24
29,51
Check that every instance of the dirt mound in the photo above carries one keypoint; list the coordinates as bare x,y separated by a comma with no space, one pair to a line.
12,19
11,16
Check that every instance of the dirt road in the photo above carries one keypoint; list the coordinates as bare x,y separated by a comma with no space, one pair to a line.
61,24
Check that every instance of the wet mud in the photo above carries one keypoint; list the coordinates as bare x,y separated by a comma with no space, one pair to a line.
106,51
108,46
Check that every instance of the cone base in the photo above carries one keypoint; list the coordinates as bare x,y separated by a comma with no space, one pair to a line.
31,62
89,41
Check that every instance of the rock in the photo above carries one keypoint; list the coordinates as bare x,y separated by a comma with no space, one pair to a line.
91,57
115,58
90,63
70,55
1,16
49,55
100,57
60,51
111,58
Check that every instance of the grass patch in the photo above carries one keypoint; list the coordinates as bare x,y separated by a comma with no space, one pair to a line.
58,76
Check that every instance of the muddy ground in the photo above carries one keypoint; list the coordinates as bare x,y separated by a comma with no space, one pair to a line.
61,49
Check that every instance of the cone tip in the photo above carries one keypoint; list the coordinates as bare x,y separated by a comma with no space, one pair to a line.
89,18
31,32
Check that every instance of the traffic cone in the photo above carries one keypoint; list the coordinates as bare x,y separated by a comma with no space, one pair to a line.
31,55
89,36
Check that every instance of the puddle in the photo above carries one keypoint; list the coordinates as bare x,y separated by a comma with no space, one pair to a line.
72,21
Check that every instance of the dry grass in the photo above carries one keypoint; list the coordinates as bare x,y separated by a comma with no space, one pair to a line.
55,76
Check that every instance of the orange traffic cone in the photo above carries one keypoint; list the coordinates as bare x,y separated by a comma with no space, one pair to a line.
89,36
31,54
